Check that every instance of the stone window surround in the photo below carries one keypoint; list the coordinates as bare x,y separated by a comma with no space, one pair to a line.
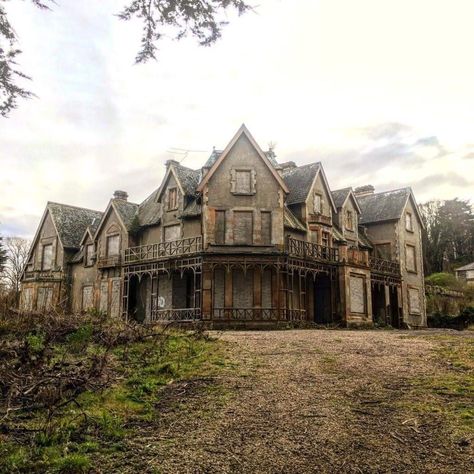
233,181
45,244
88,263
415,254
410,311
320,195
349,220
364,280
409,222
107,239
170,206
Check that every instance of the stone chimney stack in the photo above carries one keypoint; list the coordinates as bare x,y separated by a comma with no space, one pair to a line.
122,195
366,190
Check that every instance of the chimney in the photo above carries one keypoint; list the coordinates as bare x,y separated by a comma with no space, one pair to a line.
366,190
122,195
171,162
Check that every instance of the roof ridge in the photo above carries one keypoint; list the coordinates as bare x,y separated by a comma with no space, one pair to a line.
74,207
406,188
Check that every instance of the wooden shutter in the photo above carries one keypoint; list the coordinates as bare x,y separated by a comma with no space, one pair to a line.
220,227
266,228
243,227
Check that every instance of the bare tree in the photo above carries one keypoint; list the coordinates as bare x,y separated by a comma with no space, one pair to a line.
17,255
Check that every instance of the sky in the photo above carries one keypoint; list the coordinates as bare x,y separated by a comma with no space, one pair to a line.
380,91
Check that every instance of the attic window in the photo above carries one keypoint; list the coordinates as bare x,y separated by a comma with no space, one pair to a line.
172,199
113,245
89,255
349,220
47,257
317,203
409,222
243,181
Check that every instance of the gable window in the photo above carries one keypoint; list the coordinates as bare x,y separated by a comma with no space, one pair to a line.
317,203
113,245
89,255
172,199
47,257
349,220
409,222
242,181
410,258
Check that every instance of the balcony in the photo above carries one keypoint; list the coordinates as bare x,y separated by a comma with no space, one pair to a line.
386,267
319,218
152,252
109,261
303,249
175,314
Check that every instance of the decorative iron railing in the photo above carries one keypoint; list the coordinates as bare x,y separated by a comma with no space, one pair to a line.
175,314
258,314
110,261
303,249
173,248
380,265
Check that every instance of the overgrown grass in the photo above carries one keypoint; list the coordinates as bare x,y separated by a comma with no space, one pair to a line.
101,418
449,392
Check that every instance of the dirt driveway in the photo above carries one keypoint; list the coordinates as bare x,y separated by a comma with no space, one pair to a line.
318,401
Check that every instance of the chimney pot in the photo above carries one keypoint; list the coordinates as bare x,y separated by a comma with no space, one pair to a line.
120,195
366,190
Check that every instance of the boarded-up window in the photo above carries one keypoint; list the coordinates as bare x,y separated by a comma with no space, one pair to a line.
87,298
317,203
172,198
409,222
89,255
243,227
267,289
219,287
220,227
115,298
45,299
414,303
357,294
242,289
113,245
383,251
172,232
27,299
47,257
104,296
266,228
243,182
349,220
410,258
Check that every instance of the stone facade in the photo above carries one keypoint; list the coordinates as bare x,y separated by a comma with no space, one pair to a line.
245,240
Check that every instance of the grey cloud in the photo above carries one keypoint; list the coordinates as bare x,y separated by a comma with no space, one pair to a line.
385,130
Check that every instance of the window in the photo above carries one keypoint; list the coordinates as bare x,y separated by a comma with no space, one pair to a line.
410,258
325,239
383,251
349,220
89,254
243,227
87,297
317,203
409,222
357,294
414,303
242,181
172,232
172,199
220,227
113,245
47,257
266,228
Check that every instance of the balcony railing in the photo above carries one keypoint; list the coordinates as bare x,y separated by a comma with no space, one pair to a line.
175,314
109,261
174,248
303,249
380,265
258,314
319,219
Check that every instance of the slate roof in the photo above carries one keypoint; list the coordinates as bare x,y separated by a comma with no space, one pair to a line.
469,266
299,181
340,195
385,206
291,221
71,222
363,239
193,209
188,178
126,210
337,234
149,210
216,153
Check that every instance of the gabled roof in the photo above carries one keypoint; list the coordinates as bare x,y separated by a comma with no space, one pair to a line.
149,210
386,206
469,266
186,178
193,209
300,179
340,196
126,211
219,159
71,222
292,222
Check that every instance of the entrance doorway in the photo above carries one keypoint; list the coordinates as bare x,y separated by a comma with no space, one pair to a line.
322,299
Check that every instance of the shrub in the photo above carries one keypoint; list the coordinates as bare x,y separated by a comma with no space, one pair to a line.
446,280
462,321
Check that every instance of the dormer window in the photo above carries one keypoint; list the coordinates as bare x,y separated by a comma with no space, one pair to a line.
317,203
409,222
172,199
349,220
89,255
47,257
243,181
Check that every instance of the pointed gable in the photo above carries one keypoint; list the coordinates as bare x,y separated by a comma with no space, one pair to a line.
217,158
340,196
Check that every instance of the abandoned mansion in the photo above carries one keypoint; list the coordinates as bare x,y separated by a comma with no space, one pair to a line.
244,240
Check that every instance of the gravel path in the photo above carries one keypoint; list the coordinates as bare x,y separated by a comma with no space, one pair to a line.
310,401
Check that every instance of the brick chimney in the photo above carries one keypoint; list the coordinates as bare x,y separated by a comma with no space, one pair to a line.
122,195
366,190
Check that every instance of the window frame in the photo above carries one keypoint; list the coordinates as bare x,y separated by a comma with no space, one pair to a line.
409,218
320,196
107,245
349,220
45,246
252,181
87,262
415,265
172,206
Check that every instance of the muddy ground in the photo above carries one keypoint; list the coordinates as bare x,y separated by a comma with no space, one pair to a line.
311,401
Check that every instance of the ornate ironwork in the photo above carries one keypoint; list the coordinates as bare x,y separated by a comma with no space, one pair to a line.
388,267
175,314
309,250
258,314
